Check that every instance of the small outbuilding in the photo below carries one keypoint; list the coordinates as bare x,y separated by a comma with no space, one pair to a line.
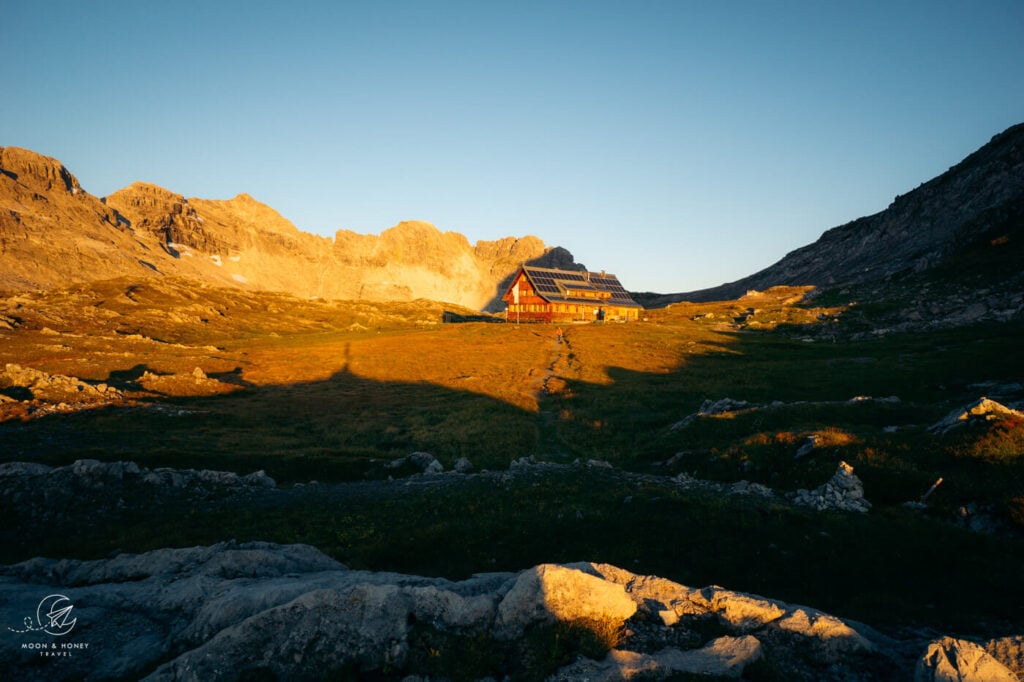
549,295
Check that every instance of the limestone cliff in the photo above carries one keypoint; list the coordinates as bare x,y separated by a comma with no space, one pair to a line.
53,231
54,234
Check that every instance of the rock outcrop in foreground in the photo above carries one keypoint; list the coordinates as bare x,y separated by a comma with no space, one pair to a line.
258,610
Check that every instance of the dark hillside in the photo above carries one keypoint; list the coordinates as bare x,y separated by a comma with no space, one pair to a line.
975,202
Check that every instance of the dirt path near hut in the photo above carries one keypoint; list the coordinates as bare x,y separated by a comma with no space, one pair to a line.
553,383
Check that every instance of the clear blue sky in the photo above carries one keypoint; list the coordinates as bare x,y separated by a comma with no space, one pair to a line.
678,144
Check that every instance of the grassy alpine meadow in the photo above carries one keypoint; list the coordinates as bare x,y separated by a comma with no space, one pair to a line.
332,392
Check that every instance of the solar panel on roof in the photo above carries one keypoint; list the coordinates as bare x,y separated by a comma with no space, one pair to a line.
559,285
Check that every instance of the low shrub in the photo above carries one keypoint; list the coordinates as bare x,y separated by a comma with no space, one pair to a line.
1002,441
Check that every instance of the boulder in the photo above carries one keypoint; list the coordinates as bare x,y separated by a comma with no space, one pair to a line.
193,383
843,492
957,660
748,488
259,479
979,518
741,612
831,637
710,408
981,410
724,657
320,633
424,461
550,593
806,447
56,388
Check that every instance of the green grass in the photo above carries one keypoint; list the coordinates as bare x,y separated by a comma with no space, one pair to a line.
338,429
891,567
335,405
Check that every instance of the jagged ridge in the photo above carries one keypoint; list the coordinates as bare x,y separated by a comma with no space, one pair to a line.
54,234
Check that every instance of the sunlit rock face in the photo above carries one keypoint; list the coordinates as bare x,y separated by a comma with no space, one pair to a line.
56,234
980,411
557,593
957,660
233,610
53,232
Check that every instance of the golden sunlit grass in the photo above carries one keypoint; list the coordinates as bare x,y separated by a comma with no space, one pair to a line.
505,362
825,438
758,310
1001,441
103,329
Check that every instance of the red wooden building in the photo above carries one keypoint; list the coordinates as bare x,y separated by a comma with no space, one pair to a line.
547,295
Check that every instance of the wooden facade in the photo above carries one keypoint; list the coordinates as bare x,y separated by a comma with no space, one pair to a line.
565,296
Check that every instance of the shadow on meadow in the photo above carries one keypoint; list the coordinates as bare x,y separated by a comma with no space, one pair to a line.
868,403
341,428
891,566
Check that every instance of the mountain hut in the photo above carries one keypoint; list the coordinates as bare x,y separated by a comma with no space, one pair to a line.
548,295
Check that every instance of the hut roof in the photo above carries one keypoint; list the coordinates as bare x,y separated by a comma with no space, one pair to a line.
579,286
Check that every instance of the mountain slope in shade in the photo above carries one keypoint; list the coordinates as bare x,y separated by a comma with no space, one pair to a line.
54,234
978,200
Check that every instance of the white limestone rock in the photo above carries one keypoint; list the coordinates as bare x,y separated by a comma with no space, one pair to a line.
551,592
981,410
289,612
724,657
957,660
843,492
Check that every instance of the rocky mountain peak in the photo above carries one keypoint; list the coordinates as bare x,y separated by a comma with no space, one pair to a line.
412,241
246,212
37,172
54,234
146,192
413,227
163,213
